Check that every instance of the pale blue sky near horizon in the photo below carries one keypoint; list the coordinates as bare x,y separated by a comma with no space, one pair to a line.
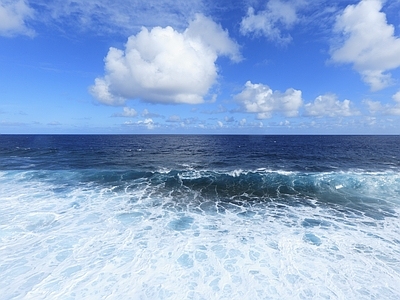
200,66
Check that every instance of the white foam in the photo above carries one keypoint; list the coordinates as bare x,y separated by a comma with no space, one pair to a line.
93,242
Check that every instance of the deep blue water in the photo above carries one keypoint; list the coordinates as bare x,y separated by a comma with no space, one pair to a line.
201,152
199,217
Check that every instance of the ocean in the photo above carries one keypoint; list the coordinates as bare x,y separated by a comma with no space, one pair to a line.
199,217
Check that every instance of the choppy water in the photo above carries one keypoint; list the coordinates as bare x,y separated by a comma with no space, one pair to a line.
199,217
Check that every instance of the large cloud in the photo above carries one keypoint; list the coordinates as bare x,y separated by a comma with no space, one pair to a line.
163,65
369,43
262,100
13,16
329,105
269,22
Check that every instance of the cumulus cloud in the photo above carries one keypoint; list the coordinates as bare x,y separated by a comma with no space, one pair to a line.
329,105
369,43
262,100
13,17
127,113
163,65
278,15
148,123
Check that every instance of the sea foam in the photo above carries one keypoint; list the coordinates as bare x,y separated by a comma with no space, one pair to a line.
138,239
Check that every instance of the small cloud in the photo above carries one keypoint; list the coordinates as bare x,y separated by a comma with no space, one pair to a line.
54,123
328,105
129,123
285,123
229,119
147,114
127,113
396,97
219,110
377,107
374,106
13,17
370,121
12,124
174,119
190,121
262,100
270,22
220,124
149,123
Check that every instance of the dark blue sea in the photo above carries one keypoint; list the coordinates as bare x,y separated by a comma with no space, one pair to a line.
199,217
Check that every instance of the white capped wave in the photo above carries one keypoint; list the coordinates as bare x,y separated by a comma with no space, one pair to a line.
91,241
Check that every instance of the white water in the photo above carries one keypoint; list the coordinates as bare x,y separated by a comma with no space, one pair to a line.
91,242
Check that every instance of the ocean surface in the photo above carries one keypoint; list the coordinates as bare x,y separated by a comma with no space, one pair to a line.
199,217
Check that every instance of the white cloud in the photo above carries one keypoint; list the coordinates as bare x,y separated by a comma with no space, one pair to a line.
174,119
148,123
127,112
329,105
101,91
285,123
278,15
165,66
369,43
54,123
147,114
13,17
377,107
395,110
262,100
229,119
374,106
396,97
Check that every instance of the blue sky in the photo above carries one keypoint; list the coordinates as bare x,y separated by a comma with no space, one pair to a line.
200,66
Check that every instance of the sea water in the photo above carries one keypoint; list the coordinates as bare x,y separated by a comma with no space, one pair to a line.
199,217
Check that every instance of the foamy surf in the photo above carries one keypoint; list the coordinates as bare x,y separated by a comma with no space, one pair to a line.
104,240
110,223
